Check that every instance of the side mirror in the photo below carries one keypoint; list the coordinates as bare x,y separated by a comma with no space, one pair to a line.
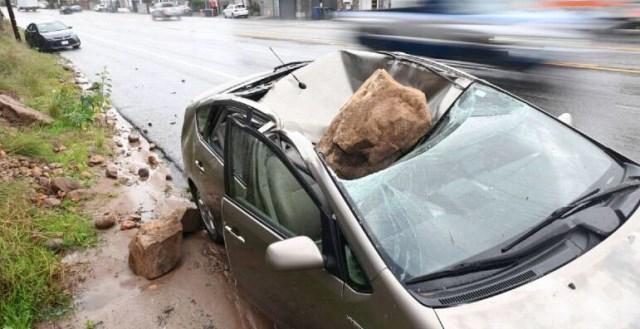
566,118
294,254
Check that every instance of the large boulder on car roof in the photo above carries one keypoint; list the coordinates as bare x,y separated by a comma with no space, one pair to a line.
382,120
156,248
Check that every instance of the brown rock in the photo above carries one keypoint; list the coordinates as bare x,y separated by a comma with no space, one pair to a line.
105,222
96,160
189,217
378,123
143,173
79,194
13,111
54,244
133,137
2,154
86,175
59,148
36,172
127,225
51,202
157,247
153,161
168,177
152,146
64,184
44,182
111,171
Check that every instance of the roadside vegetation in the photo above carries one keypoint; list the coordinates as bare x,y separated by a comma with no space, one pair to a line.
32,286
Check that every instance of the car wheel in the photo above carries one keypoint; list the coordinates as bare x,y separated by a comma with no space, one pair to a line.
76,47
212,225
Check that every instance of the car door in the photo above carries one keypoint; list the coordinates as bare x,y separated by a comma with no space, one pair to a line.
267,199
29,34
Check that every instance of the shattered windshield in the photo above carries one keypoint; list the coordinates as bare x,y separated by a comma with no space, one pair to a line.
493,168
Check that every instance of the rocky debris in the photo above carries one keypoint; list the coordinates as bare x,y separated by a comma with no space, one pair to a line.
79,195
134,218
152,146
54,244
59,148
153,161
3,154
96,160
64,184
133,137
143,172
189,217
111,171
156,248
45,183
119,143
86,175
105,222
168,177
51,202
128,224
15,112
378,124
36,172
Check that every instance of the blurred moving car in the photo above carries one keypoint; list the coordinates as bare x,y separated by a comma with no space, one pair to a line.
100,7
234,11
66,10
186,10
28,5
76,8
43,4
165,10
500,216
51,36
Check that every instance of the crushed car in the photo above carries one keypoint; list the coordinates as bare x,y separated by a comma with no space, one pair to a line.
490,213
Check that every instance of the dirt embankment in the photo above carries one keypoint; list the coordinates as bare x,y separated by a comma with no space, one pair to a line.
199,293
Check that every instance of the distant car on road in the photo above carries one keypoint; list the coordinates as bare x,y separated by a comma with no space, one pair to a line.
100,7
51,36
66,10
76,8
186,10
43,4
500,216
28,5
235,11
165,10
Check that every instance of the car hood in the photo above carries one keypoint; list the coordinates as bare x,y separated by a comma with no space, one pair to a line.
597,290
57,34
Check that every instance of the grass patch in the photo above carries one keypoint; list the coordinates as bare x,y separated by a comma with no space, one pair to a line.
30,273
31,277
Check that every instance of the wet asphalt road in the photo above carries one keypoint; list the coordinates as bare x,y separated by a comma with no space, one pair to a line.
158,67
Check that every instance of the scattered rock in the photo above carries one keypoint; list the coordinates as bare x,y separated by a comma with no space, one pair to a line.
133,137
168,177
36,172
2,154
150,124
134,218
64,184
183,80
59,148
152,146
381,121
54,244
189,217
145,131
44,182
119,143
86,175
156,248
105,222
172,123
79,194
96,160
111,171
13,111
143,172
100,120
153,161
128,224
51,202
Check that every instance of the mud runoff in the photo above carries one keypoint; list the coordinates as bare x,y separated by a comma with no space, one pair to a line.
199,293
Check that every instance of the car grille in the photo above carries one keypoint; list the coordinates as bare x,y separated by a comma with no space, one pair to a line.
61,38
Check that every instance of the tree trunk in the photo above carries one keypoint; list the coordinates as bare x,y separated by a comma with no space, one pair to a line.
13,20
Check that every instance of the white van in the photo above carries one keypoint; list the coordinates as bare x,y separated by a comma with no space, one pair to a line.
27,5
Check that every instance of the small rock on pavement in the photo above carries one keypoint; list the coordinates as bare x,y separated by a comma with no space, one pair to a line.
111,171
54,244
105,222
64,184
168,177
96,160
156,248
51,202
152,146
133,137
143,172
189,217
128,224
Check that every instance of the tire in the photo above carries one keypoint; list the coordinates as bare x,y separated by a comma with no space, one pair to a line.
76,47
211,225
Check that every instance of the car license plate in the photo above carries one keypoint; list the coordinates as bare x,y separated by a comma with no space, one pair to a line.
64,43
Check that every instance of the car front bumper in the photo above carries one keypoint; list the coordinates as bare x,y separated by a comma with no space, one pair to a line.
60,44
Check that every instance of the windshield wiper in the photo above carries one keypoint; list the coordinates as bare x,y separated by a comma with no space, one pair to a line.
585,201
466,268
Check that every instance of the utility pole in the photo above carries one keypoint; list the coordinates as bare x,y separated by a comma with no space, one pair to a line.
13,20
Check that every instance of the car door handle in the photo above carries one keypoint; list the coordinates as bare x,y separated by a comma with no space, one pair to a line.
234,233
199,165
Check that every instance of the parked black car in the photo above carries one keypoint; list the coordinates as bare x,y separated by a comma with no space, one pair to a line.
51,36
65,10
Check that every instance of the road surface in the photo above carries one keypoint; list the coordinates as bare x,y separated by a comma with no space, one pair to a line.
157,67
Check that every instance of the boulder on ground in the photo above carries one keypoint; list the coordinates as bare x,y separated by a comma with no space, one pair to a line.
15,112
143,172
96,160
189,217
111,171
156,248
105,222
381,121
79,194
133,137
64,184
